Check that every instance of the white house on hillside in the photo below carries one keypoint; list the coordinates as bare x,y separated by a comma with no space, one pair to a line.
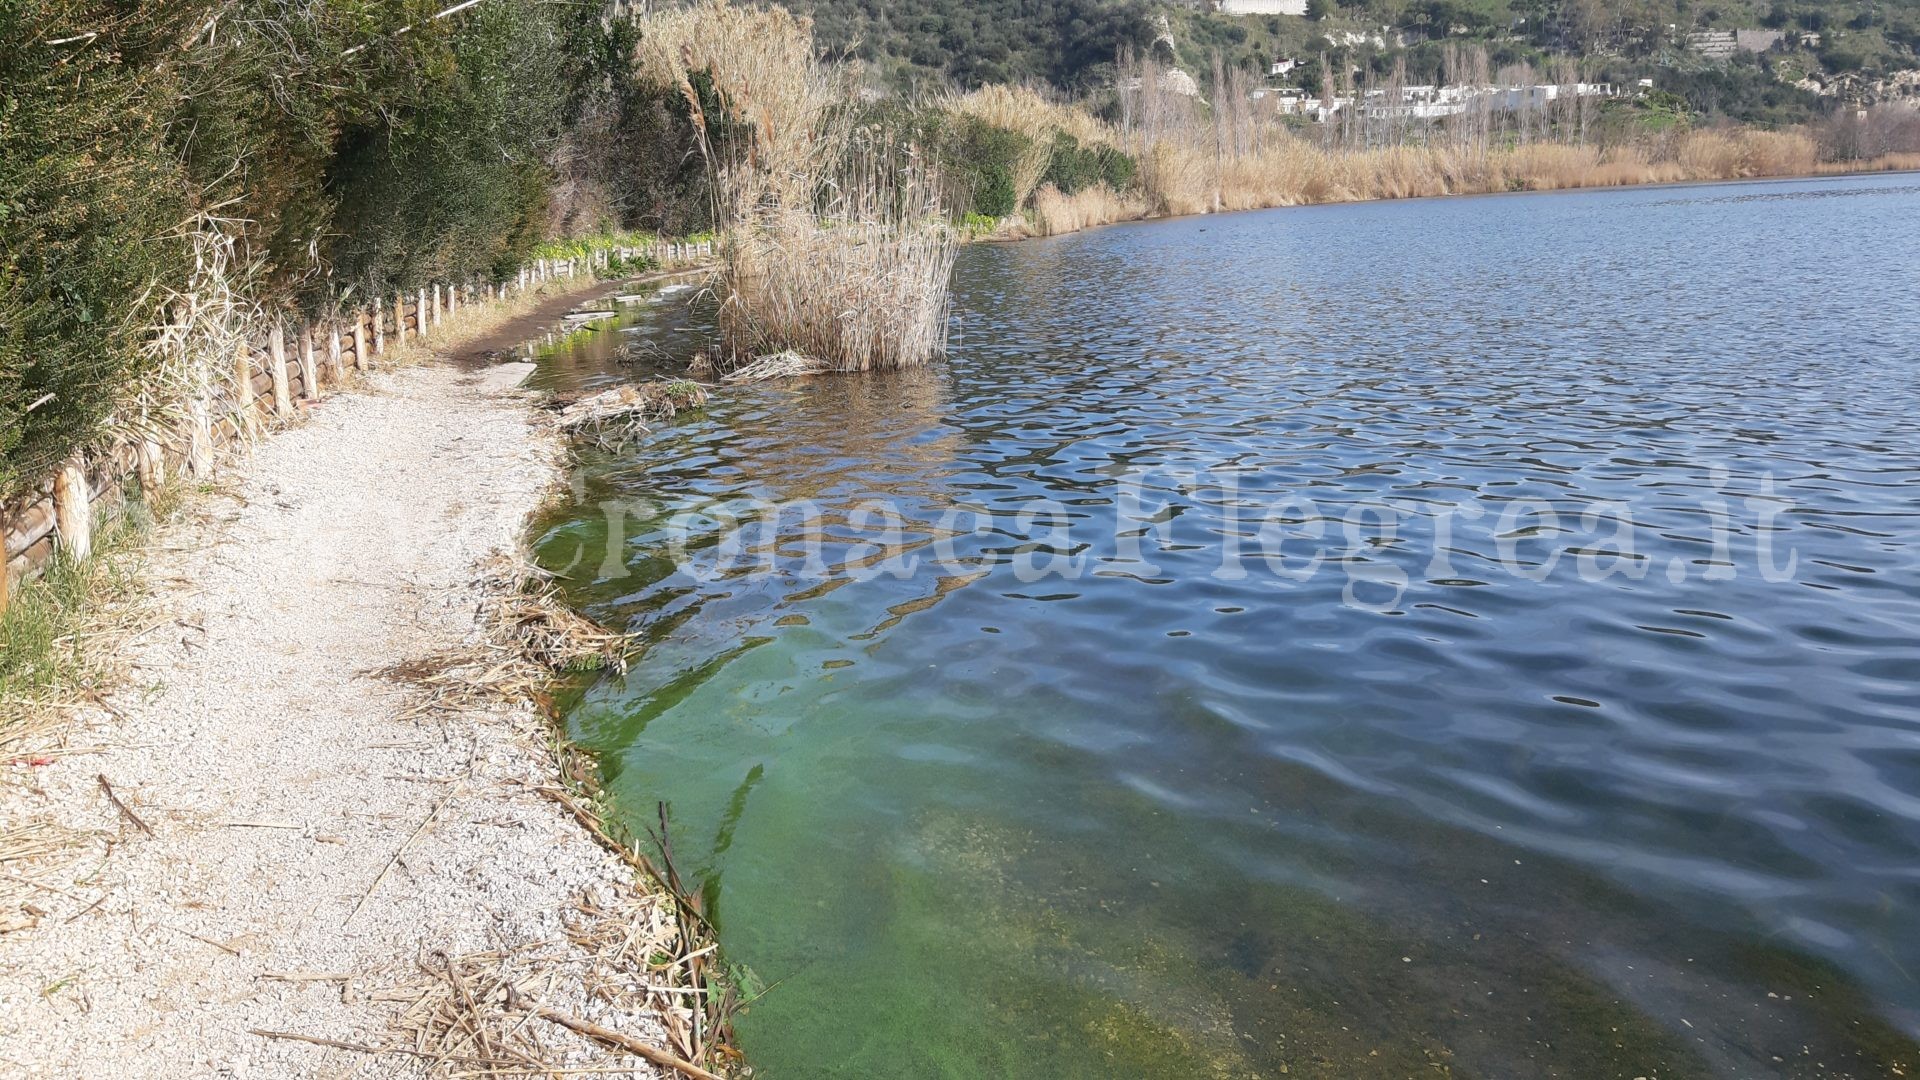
1263,7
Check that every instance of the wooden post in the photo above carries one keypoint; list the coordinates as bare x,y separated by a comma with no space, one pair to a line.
333,351
379,330
153,467
453,300
308,366
360,340
277,360
243,389
6,563
73,511
200,437
399,318
420,315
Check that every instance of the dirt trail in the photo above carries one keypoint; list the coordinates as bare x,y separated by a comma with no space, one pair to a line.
300,827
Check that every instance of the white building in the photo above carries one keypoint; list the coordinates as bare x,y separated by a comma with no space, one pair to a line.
1263,7
1429,102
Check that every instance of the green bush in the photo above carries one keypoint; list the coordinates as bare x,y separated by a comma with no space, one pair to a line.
984,156
90,191
338,149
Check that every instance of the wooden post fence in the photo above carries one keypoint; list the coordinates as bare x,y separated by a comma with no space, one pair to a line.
270,366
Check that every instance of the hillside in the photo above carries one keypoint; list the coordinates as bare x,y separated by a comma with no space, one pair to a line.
1841,44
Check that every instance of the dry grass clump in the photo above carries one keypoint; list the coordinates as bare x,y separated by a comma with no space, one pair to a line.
27,847
528,637
624,413
834,246
852,296
493,1014
1055,213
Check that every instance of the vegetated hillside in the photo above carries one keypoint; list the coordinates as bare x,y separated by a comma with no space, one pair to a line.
1072,43
1069,43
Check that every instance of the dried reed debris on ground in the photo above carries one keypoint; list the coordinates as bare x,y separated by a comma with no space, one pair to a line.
780,365
532,1011
528,636
625,413
633,959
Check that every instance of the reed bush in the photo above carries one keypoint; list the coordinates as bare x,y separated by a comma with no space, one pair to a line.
836,247
1055,212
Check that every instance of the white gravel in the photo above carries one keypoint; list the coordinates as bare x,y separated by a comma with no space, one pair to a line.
276,773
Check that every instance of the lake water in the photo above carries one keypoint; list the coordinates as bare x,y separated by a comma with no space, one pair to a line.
1475,637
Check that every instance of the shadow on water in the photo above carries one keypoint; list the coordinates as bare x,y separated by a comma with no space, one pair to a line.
1148,819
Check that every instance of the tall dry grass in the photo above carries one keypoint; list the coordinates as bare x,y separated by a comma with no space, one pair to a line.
1056,213
1036,117
834,247
1188,171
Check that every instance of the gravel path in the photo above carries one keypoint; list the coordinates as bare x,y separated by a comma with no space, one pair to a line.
278,777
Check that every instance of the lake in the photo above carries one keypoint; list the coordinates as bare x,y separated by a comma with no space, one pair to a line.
1473,637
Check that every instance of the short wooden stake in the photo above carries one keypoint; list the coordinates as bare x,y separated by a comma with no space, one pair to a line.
153,467
277,361
309,367
6,563
244,416
379,330
420,315
334,366
200,438
399,318
360,340
73,511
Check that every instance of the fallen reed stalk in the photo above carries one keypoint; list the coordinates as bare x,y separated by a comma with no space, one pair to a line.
624,413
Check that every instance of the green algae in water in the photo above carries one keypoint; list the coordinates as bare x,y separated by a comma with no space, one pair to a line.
976,826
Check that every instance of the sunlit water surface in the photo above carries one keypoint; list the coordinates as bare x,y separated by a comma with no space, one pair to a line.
1449,799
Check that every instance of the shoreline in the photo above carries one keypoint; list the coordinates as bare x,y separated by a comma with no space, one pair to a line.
1892,168
270,857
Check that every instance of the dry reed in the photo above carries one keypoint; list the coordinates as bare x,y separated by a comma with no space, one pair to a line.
624,413
528,637
835,247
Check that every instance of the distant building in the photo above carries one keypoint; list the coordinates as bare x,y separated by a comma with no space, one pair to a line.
1429,102
1282,66
1263,7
